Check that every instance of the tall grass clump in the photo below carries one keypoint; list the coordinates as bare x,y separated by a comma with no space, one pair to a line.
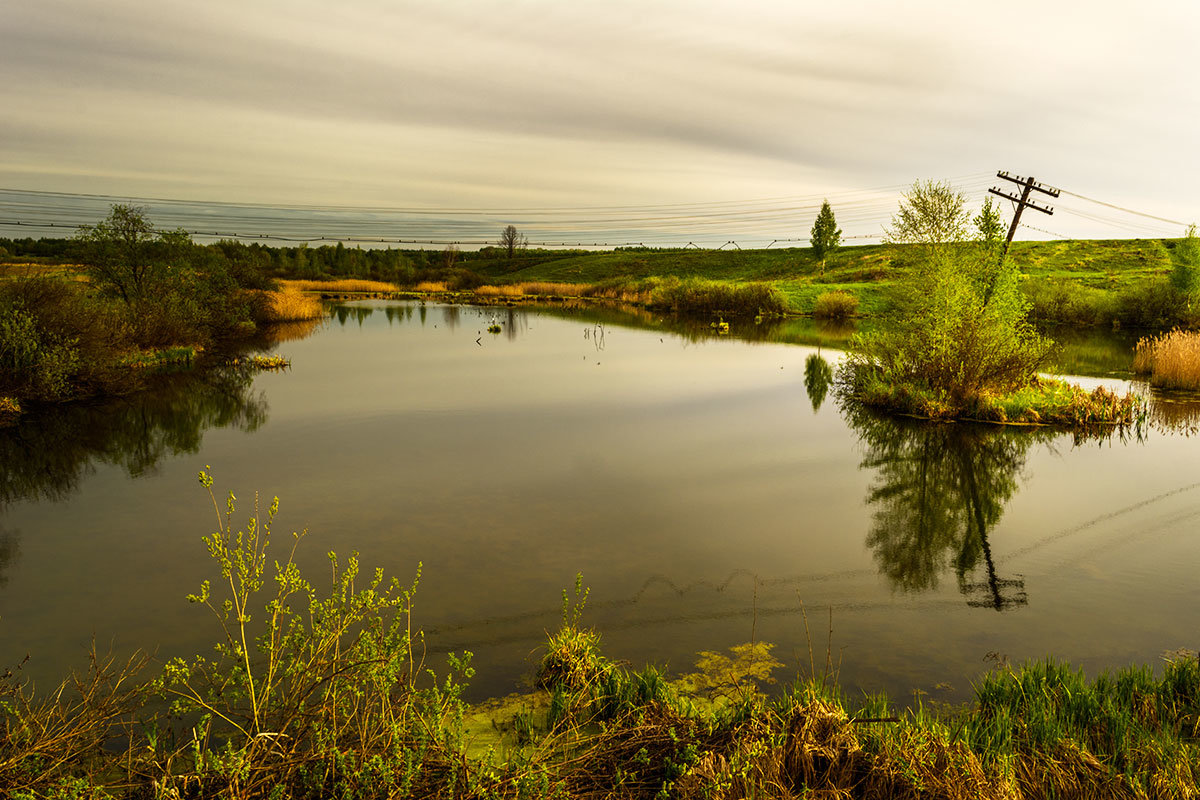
836,305
1171,360
350,285
1058,734
699,296
289,305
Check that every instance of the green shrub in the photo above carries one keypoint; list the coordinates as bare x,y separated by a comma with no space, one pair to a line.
962,330
835,305
33,362
705,297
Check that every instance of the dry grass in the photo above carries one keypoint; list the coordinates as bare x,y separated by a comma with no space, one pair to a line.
430,286
533,288
1172,360
349,285
290,305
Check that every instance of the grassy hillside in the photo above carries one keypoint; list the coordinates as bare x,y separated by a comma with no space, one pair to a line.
1085,268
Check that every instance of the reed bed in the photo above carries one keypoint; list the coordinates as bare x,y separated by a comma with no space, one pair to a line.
346,285
430,286
1171,360
290,305
532,289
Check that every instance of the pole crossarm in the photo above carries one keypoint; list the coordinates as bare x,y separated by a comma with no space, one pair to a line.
1028,203
1027,185
1037,187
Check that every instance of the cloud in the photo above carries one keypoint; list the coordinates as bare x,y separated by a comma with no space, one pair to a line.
513,99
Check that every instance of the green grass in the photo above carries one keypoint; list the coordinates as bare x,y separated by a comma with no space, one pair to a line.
1077,282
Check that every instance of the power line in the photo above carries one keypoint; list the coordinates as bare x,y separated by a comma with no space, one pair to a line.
1126,210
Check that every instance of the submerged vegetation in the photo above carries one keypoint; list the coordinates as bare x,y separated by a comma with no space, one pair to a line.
318,690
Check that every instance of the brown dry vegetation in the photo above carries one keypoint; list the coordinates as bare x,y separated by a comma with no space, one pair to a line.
1171,360
347,285
532,289
289,305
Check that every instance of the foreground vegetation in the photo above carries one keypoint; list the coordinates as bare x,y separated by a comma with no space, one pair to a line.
324,693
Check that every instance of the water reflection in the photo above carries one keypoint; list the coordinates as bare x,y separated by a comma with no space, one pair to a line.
1175,412
938,490
47,455
818,377
8,552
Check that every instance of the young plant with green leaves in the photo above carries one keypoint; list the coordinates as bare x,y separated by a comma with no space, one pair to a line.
825,235
962,333
308,689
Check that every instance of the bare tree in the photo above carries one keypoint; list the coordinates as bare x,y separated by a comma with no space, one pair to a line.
449,256
512,240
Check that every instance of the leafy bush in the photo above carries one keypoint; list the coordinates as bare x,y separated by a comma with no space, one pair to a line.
698,296
962,330
835,305
34,362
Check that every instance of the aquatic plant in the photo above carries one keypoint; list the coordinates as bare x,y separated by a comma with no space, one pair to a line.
289,305
1171,360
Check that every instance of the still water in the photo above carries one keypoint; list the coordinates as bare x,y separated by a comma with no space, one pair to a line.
709,489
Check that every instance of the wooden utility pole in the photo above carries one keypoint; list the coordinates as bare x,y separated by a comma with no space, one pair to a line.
1028,185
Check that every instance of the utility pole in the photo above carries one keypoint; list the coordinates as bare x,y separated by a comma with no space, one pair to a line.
1028,185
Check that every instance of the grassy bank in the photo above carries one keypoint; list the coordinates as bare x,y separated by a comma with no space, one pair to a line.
1074,282
1042,402
321,691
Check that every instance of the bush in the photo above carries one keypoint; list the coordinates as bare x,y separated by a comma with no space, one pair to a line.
34,362
698,296
961,332
1064,302
835,305
1152,306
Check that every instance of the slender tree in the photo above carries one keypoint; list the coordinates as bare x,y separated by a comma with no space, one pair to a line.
825,236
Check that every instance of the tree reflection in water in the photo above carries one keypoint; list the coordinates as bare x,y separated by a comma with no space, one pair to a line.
45,456
939,488
818,377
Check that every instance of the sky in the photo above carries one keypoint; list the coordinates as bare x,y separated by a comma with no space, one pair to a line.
753,106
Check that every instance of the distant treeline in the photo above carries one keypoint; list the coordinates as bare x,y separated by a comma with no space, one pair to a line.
324,261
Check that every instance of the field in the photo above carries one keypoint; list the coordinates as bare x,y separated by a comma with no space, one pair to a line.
1088,273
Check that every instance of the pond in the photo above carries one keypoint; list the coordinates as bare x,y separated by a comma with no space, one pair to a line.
708,488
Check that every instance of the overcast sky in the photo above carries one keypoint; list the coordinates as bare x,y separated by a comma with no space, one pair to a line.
582,103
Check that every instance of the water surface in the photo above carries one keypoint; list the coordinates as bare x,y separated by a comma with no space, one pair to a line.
708,488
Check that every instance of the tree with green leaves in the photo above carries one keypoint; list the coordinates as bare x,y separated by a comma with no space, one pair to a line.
931,217
126,256
825,236
961,332
1185,275
988,225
